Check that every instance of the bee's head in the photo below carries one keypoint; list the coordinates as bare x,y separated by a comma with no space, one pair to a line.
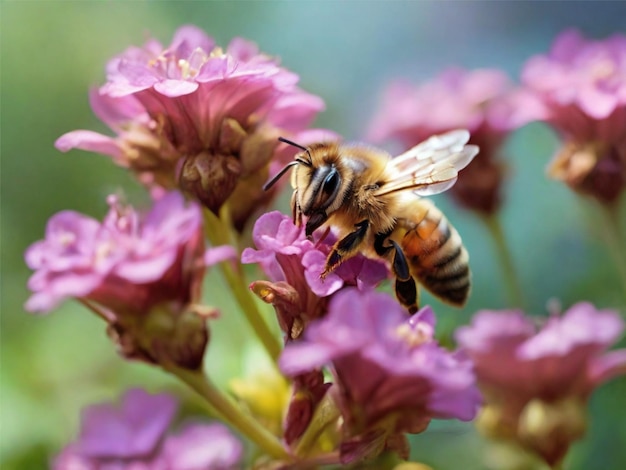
317,182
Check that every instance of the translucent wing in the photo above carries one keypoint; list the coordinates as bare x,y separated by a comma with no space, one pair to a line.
432,166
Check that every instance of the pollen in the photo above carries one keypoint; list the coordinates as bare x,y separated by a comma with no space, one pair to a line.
602,69
184,67
102,252
217,52
67,239
414,336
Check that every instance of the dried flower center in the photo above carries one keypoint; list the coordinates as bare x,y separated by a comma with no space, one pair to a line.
414,335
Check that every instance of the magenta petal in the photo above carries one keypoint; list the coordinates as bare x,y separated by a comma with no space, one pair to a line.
490,326
250,255
314,262
41,302
567,45
35,254
145,270
213,69
136,74
219,254
116,112
581,325
104,433
425,316
242,49
150,415
194,37
171,213
595,103
299,358
462,403
608,366
202,447
78,284
323,287
90,141
132,431
174,88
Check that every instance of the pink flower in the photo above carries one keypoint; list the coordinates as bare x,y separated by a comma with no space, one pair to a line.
131,269
581,86
294,264
390,374
203,446
194,116
478,100
536,382
135,436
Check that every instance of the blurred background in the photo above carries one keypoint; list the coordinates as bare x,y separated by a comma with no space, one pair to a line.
345,52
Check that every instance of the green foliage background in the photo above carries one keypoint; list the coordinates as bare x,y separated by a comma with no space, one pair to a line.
345,52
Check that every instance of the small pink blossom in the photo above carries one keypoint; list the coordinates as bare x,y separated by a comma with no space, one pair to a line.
201,118
390,374
129,268
581,86
203,446
294,264
136,435
456,98
478,100
525,372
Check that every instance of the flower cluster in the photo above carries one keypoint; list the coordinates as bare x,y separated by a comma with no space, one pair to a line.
391,376
536,382
196,123
142,273
135,436
294,264
580,86
476,100
196,117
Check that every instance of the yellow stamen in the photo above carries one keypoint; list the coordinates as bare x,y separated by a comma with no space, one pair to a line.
413,337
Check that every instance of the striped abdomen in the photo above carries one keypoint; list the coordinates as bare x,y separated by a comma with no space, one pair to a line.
437,256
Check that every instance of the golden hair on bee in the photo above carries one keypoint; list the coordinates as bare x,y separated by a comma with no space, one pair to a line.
375,203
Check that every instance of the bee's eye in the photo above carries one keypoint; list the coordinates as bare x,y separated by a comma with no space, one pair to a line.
331,182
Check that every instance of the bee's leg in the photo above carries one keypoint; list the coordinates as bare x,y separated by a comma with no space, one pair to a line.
379,240
406,289
345,247
315,221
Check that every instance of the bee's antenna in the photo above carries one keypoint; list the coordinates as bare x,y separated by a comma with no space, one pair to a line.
299,160
273,181
291,142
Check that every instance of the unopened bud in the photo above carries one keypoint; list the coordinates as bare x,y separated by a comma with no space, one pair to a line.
548,429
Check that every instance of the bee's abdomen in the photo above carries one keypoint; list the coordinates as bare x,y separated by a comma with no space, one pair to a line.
438,258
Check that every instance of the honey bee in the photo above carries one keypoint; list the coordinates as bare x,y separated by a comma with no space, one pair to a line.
375,203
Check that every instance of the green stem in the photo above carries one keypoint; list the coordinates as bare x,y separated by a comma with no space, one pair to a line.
99,311
325,414
614,241
332,458
219,234
228,411
511,280
558,465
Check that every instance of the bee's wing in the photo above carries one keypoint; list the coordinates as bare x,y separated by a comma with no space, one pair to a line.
432,166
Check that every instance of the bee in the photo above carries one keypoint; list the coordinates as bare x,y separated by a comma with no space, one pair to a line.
375,203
